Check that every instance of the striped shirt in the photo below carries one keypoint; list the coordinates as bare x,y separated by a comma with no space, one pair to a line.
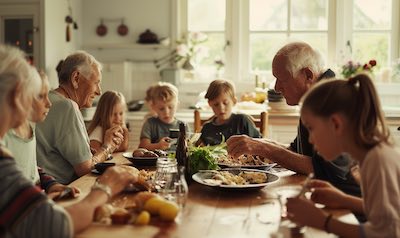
25,211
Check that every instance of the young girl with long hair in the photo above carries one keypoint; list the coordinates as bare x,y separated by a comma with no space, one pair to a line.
110,112
344,116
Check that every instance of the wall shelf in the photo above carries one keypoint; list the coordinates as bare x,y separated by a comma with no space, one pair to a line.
105,46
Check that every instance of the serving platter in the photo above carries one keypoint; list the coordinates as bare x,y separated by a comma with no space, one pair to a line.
140,161
206,177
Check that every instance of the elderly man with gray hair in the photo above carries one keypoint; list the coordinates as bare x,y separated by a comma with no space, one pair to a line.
63,148
297,67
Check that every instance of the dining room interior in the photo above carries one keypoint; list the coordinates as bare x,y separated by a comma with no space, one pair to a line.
143,44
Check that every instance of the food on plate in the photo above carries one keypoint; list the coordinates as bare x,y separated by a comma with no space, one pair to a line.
143,218
103,213
142,197
153,205
244,160
147,204
168,211
243,178
161,153
132,170
120,216
141,152
254,177
138,152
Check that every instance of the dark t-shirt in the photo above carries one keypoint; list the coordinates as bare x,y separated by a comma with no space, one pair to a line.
337,172
238,124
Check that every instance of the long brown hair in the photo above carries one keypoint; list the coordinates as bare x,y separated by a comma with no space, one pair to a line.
104,110
355,98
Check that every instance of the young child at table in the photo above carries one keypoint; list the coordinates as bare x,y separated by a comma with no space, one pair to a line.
110,112
344,116
221,98
21,141
147,101
163,100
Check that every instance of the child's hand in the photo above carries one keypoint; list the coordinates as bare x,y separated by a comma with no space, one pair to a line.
164,143
304,212
325,193
114,136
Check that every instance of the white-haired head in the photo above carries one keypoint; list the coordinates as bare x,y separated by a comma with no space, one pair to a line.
79,61
301,55
16,71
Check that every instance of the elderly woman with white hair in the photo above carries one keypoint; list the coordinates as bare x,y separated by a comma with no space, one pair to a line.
25,211
63,143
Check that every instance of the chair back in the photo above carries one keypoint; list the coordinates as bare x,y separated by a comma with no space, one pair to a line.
261,122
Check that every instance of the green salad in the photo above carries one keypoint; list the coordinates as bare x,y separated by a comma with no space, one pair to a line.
205,157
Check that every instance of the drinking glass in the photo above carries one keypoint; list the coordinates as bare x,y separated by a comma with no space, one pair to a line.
164,176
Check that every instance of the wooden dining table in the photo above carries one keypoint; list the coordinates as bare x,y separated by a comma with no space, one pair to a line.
209,212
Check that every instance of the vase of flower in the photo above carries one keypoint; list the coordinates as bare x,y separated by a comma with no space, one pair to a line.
189,50
188,64
350,69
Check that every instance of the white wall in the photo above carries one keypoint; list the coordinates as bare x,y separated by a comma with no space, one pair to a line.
57,47
138,15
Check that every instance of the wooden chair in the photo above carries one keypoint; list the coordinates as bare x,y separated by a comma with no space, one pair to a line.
260,122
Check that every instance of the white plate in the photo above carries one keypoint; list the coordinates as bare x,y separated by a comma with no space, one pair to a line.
127,155
205,178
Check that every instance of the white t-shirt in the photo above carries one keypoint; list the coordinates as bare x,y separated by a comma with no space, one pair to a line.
97,134
380,183
24,152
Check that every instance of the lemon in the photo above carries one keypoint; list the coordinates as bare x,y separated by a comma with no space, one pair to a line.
168,211
153,205
143,218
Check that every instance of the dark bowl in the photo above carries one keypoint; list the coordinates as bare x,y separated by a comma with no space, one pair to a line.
101,167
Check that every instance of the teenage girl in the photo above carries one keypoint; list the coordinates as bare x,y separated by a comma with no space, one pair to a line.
110,114
344,116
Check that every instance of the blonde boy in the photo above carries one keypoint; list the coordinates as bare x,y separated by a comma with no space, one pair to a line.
163,101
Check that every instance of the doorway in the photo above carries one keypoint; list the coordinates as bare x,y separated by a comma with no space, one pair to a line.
19,27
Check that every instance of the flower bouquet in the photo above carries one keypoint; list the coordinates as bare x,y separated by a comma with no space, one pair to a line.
351,68
190,51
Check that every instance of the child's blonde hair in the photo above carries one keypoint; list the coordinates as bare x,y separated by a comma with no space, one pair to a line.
162,91
105,109
357,100
218,87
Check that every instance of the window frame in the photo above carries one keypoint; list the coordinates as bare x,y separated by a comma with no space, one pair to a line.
237,34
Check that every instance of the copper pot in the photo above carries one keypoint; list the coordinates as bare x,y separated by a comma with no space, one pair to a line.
122,29
101,29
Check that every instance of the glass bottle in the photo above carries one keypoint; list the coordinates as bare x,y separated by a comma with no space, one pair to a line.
181,153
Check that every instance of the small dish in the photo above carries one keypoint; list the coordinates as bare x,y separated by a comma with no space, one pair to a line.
101,167
140,161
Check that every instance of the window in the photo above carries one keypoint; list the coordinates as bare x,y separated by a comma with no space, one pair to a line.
272,22
208,16
341,30
372,30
